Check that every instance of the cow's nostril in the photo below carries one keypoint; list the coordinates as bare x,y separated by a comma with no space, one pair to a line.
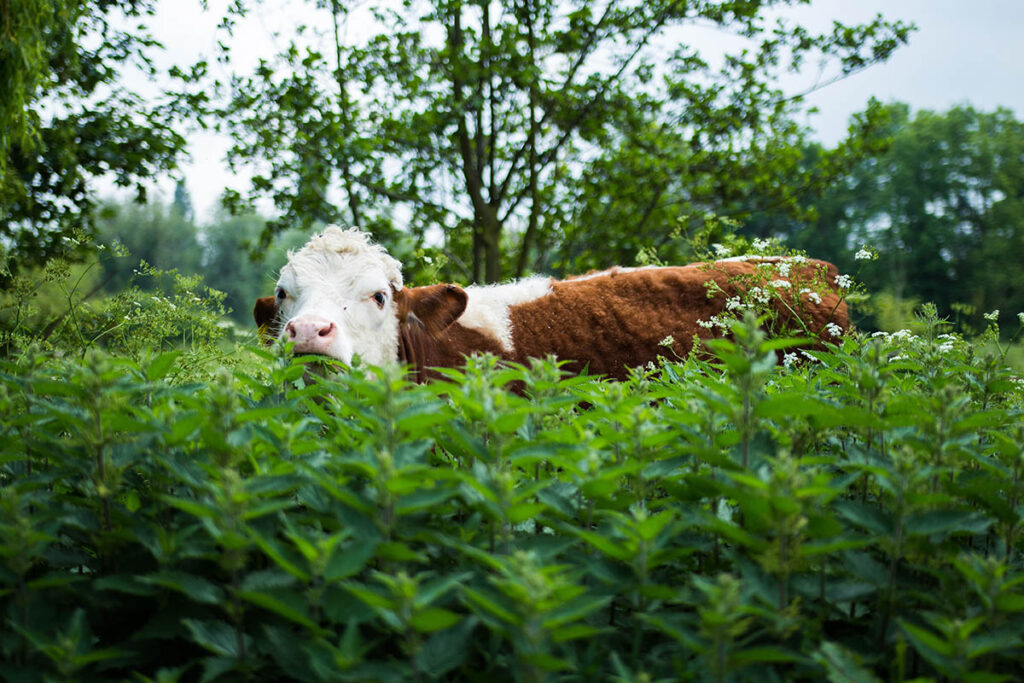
326,331
290,330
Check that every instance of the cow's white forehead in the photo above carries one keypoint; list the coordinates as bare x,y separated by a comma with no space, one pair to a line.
341,257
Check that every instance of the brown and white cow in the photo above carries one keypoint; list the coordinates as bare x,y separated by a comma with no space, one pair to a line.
340,295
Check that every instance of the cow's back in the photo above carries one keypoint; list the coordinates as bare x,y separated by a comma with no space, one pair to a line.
619,318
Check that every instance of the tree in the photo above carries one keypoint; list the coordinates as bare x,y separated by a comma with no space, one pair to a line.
524,128
156,233
66,118
231,267
944,206
183,201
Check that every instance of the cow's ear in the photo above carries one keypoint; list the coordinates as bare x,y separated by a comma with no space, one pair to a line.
265,313
435,306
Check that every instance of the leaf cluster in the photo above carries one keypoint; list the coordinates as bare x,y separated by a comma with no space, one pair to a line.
857,516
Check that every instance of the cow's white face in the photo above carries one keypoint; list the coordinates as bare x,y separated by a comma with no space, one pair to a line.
335,297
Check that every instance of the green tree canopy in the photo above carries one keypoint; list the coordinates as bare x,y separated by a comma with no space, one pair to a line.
524,129
944,206
67,117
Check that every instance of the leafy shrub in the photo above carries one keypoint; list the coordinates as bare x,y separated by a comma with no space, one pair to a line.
855,516
55,310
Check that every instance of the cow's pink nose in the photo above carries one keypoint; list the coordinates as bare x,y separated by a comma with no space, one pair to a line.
311,335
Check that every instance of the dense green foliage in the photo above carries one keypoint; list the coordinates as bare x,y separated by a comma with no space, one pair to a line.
67,118
176,506
944,205
857,516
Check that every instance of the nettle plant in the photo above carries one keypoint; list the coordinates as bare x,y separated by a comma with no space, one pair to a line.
720,517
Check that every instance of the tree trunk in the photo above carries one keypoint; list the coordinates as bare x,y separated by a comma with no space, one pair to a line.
346,121
531,227
485,214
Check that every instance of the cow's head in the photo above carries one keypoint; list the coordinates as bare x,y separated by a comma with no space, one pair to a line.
340,295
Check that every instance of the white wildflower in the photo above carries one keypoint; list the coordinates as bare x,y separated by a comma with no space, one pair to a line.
733,303
812,296
834,330
844,281
760,244
866,254
1020,317
721,249
706,324
760,296
783,268
993,316
428,260
789,360
780,284
798,258
667,341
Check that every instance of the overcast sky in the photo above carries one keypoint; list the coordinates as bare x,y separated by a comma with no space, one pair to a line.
962,53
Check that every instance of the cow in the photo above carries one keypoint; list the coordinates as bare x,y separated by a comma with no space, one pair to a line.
341,295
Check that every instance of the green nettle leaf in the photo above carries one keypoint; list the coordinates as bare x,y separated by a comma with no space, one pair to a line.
432,619
194,587
947,521
161,365
286,604
842,666
218,637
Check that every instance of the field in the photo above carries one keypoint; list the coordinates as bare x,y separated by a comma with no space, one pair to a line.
854,515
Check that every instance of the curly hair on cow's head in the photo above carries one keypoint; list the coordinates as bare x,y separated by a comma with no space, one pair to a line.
339,240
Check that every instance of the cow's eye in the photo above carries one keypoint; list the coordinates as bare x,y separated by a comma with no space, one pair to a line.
381,298
281,294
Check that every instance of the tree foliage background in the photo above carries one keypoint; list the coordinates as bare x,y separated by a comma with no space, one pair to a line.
501,138
529,132
67,118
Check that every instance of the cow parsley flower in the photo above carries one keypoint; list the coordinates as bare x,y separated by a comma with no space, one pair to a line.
812,296
721,250
667,341
759,244
733,303
780,284
993,316
903,335
1020,317
798,258
706,324
783,268
844,281
760,295
866,254
834,330
789,360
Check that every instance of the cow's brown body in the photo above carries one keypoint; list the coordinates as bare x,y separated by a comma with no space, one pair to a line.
606,322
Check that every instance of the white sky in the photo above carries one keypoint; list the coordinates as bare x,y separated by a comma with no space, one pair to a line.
962,53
